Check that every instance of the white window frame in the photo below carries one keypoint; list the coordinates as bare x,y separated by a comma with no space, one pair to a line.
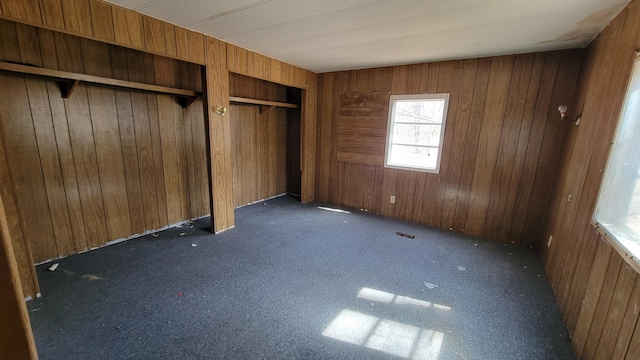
617,235
390,123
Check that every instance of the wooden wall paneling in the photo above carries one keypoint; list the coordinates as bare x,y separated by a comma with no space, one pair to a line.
190,166
237,168
196,47
82,144
417,83
552,144
20,244
628,342
170,38
179,129
272,127
364,83
567,210
63,144
552,61
25,167
604,80
156,143
336,167
52,14
9,47
162,68
428,214
516,178
493,118
449,81
407,179
323,131
613,104
102,21
633,352
251,64
24,10
106,134
261,146
77,17
182,43
250,152
125,116
169,157
580,224
257,60
616,312
280,166
362,122
520,80
471,145
602,261
629,322
390,181
239,56
154,35
574,291
41,114
460,127
276,71
307,138
141,133
219,130
128,27
604,301
16,337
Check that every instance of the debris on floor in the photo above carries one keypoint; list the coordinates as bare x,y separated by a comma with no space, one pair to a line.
154,235
194,245
53,267
405,235
91,277
68,272
183,233
462,268
430,285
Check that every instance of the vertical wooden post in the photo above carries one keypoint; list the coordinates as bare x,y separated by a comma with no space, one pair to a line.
216,90
308,139
16,338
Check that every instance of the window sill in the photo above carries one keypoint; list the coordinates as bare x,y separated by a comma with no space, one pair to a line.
618,245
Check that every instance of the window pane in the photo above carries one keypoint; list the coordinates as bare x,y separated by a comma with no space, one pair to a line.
618,209
413,156
419,111
416,134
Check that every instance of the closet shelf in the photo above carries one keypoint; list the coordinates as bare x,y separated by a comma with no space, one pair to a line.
70,80
241,100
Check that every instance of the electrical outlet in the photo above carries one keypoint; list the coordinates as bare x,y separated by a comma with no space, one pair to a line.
550,239
392,199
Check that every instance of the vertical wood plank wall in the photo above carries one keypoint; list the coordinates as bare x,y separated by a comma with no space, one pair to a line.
16,337
104,164
259,141
110,24
244,62
598,292
501,148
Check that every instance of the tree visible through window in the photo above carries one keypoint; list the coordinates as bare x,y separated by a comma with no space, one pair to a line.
416,131
618,208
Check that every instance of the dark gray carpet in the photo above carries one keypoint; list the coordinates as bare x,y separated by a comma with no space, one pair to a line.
295,281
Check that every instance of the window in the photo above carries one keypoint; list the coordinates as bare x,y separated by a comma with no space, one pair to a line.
415,131
618,208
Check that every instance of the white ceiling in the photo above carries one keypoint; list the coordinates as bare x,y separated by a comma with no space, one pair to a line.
330,35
